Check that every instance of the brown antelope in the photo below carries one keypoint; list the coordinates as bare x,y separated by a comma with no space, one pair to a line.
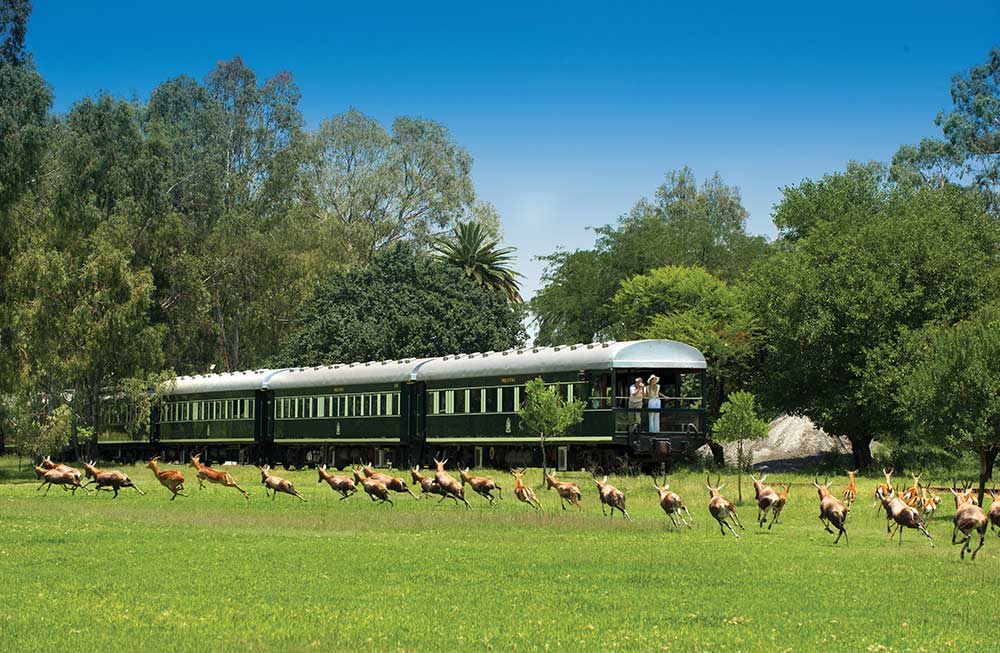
523,492
611,497
884,490
481,485
206,473
448,484
672,504
59,477
911,495
994,513
929,503
343,484
897,511
851,491
373,487
276,484
393,483
48,464
969,519
767,499
722,508
171,479
566,490
779,505
114,479
831,510
427,484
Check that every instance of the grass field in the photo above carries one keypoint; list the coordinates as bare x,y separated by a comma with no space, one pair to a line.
212,571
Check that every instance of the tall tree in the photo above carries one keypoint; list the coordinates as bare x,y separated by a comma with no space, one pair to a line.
14,15
481,258
970,149
740,422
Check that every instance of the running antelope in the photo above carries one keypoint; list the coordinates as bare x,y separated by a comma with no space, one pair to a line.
566,490
343,484
969,519
48,464
427,484
393,483
994,513
373,487
672,504
276,484
448,484
831,510
779,505
59,477
897,511
612,497
481,485
851,491
722,509
523,492
113,479
929,502
766,497
206,473
911,495
171,479
884,490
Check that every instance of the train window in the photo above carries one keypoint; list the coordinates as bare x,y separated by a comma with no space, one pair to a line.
250,406
517,397
507,402
314,412
459,402
321,407
279,408
434,403
490,401
449,402
329,406
569,393
475,401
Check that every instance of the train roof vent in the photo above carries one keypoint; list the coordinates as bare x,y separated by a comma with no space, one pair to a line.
605,344
534,350
556,348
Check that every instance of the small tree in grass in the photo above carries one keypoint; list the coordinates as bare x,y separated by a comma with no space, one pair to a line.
739,422
546,413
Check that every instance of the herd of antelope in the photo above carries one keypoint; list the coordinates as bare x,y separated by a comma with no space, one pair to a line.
905,508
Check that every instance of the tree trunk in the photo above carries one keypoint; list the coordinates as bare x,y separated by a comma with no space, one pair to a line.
862,450
718,455
541,443
987,457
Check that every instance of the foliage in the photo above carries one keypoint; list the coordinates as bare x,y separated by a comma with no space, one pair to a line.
548,414
851,290
481,258
683,224
39,426
404,304
971,145
740,422
952,395
14,16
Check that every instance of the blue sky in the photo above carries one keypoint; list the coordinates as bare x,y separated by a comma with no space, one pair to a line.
572,111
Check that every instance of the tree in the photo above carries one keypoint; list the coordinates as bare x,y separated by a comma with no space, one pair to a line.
14,15
548,414
683,224
691,305
481,259
739,422
859,281
952,395
404,304
970,149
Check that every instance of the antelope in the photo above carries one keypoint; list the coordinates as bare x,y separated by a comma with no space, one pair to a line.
566,490
904,516
850,492
722,508
113,479
831,510
427,484
928,503
611,497
911,496
448,484
969,519
523,492
672,504
343,484
59,477
884,490
206,473
393,483
994,513
779,505
276,484
481,485
767,498
373,487
48,464
171,479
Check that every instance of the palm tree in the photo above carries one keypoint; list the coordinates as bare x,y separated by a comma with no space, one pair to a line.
481,258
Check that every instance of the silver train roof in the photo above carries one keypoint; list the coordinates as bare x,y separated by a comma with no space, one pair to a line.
663,354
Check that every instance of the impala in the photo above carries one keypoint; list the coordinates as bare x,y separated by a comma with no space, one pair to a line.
767,499
969,519
48,464
523,492
911,495
206,473
171,479
114,479
427,484
611,497
722,509
60,477
994,513
393,483
884,490
566,490
481,485
672,504
343,484
851,491
831,510
448,484
373,487
276,484
897,511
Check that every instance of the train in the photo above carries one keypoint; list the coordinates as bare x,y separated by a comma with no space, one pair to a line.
464,407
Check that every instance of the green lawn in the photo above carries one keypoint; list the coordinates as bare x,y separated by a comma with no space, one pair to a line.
211,571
